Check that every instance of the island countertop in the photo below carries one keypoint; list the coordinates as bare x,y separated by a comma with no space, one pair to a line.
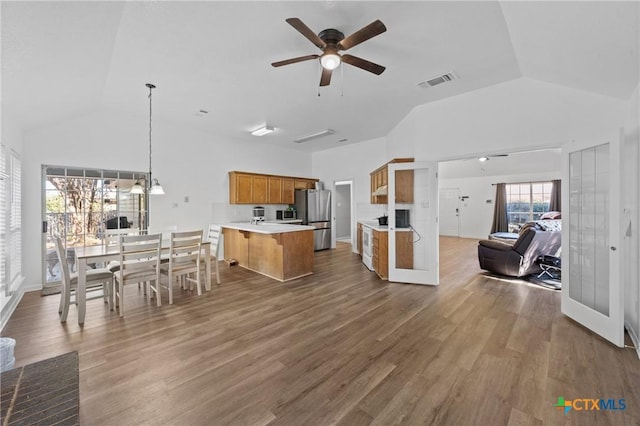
266,227
280,251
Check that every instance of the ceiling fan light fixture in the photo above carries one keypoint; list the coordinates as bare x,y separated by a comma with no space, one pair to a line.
330,60
264,130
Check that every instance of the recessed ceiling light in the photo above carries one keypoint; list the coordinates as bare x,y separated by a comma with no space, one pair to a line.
262,130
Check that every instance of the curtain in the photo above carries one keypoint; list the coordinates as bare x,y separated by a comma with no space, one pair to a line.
500,220
556,196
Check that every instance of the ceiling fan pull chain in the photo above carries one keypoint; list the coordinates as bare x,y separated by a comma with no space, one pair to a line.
341,81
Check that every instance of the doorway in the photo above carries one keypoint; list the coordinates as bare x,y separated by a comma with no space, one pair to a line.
343,220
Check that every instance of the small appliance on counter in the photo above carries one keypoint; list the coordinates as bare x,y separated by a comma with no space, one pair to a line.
258,214
285,214
382,220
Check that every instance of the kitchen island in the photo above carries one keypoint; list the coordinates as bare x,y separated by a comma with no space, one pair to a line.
279,251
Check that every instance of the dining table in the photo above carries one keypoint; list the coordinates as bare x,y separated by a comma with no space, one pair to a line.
105,253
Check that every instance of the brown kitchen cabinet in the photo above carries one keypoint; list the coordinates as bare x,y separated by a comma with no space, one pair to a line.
275,190
360,239
288,191
255,188
404,252
305,183
403,185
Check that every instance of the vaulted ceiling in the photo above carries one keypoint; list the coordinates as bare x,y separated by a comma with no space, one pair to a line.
64,59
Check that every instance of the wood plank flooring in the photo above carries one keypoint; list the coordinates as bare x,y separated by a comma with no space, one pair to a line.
338,347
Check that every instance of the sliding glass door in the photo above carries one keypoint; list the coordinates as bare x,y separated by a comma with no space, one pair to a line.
79,204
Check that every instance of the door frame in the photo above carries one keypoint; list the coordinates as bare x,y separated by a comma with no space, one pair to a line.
352,221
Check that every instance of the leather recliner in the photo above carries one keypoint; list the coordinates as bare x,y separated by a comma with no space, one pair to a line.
518,259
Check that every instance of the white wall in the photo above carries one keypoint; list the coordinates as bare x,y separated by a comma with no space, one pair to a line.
631,218
187,162
476,215
515,115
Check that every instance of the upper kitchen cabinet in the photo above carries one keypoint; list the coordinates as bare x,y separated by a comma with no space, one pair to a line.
255,188
305,183
288,190
403,185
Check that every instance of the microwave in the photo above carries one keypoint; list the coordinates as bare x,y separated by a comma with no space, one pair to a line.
285,214
402,219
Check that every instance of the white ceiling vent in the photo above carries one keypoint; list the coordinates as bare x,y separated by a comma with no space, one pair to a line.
439,80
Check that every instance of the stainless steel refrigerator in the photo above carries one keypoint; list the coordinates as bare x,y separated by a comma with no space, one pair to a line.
314,208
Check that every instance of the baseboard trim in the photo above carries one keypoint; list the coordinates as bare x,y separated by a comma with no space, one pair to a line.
634,337
7,310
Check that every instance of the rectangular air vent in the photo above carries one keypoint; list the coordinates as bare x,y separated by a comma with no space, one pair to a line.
439,80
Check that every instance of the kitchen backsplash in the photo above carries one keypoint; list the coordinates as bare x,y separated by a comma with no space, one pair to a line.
224,212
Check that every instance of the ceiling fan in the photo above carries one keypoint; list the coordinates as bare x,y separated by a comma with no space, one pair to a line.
330,41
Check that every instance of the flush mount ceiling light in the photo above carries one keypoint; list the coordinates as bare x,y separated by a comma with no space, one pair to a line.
314,135
264,130
483,159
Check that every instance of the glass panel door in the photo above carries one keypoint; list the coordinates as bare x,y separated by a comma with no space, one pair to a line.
80,204
591,291
413,222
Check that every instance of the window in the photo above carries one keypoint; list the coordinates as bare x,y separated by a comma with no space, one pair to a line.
10,221
80,204
527,202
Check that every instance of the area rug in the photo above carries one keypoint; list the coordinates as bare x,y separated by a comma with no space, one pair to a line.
43,393
50,289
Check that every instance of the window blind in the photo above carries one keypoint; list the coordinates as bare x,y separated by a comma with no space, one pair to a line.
4,213
15,222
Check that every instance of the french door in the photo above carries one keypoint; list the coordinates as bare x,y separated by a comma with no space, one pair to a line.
413,223
591,288
79,204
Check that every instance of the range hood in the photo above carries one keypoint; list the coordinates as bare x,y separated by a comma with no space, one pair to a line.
382,190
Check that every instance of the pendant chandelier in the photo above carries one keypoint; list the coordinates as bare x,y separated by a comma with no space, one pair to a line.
155,187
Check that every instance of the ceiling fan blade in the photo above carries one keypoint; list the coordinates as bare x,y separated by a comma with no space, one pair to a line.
294,60
363,63
373,29
325,79
307,32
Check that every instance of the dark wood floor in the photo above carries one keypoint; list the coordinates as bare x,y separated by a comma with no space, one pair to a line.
338,347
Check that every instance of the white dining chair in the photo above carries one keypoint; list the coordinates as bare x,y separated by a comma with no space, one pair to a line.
97,279
213,236
139,263
184,260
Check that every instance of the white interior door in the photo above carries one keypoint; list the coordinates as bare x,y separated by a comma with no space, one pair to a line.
449,208
419,240
591,288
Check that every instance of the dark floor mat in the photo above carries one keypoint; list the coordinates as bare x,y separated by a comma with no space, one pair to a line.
42,393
